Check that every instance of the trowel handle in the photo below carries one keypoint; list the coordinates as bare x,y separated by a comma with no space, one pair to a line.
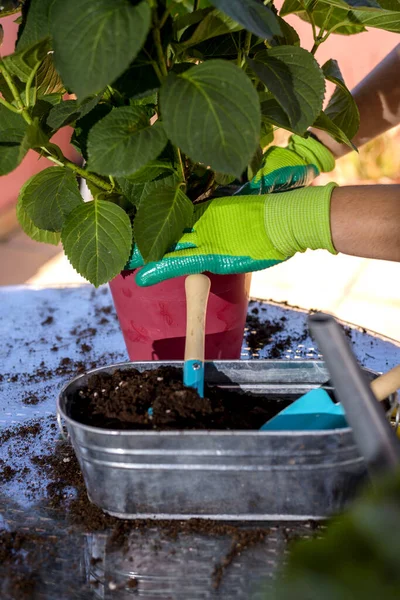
386,384
197,290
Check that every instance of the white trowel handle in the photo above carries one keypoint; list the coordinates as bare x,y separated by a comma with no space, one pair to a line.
386,384
197,291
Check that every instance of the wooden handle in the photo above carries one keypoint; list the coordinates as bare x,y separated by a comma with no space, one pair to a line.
386,384
197,290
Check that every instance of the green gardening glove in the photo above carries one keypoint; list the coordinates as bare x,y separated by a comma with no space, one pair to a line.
215,244
240,234
291,167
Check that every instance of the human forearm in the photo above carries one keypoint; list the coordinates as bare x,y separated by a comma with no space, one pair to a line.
378,99
365,221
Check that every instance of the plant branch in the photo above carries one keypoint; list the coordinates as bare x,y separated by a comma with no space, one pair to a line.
247,43
179,161
196,5
157,42
320,38
4,102
29,84
13,89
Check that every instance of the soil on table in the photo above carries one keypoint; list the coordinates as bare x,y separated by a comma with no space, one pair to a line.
157,399
24,552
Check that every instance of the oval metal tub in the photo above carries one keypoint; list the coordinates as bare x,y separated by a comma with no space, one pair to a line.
227,475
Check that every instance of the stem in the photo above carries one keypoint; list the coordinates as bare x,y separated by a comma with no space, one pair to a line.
23,111
157,42
165,17
178,158
29,83
13,89
4,102
320,38
196,5
89,176
247,43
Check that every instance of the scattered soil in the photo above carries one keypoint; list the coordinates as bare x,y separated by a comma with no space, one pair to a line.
6,474
122,401
48,321
20,556
31,400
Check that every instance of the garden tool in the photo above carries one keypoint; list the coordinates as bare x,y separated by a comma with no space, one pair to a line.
197,291
372,432
317,410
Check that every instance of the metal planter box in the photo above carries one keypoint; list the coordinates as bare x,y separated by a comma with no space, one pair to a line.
226,475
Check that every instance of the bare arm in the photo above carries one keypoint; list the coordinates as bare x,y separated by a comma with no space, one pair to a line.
365,221
378,100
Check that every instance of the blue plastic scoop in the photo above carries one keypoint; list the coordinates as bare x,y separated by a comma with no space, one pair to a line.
315,410
197,291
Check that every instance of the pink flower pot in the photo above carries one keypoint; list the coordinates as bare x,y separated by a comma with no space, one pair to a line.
153,319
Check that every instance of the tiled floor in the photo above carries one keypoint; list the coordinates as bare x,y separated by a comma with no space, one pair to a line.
361,291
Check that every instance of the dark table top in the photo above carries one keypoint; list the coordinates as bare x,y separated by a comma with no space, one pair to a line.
47,336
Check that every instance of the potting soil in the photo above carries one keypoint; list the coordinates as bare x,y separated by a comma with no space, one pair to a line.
122,401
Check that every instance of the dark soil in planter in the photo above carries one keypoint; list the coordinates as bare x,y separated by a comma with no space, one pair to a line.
122,401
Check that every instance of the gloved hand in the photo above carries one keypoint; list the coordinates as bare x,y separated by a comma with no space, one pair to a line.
291,167
238,235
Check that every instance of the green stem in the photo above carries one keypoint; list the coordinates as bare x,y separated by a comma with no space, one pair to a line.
160,54
179,161
8,105
29,83
196,5
165,17
100,183
247,43
13,89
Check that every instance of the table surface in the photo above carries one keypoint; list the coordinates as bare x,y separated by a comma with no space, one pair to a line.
40,329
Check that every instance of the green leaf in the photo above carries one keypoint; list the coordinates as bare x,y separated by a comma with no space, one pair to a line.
293,6
191,18
337,16
69,111
47,79
253,15
84,125
39,235
324,123
124,141
212,26
212,113
35,23
9,7
139,81
97,239
341,109
151,171
267,132
21,63
295,79
160,220
95,42
132,191
386,19
288,37
273,113
34,137
12,133
62,114
50,196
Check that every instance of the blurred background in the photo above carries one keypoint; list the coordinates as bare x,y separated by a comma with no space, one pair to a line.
361,291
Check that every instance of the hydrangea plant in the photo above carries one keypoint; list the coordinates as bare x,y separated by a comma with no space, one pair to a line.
172,98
